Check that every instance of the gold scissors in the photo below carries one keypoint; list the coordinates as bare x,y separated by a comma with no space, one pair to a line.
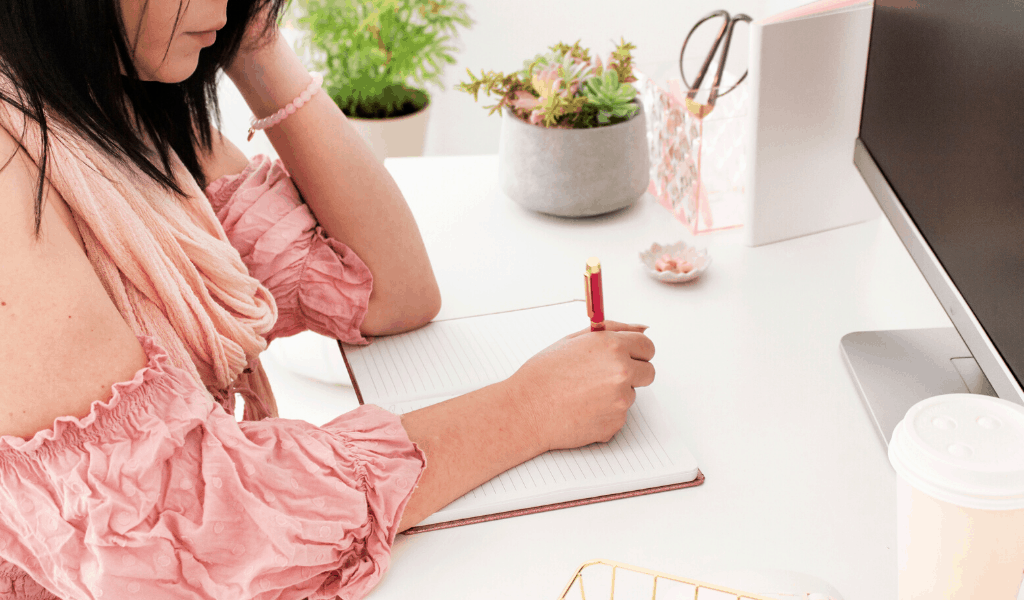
698,109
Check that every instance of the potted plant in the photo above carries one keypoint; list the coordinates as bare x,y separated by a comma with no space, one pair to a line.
377,56
573,137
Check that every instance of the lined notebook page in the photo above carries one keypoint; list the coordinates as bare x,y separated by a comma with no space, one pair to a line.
643,454
449,358
445,359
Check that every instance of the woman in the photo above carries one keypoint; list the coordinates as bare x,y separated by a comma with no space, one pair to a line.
146,263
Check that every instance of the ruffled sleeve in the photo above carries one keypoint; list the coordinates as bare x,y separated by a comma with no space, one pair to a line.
160,491
318,282
15,584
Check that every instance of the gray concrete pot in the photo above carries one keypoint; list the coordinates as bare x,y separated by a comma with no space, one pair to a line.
573,172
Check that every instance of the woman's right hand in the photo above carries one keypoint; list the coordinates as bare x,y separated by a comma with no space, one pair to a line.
573,393
577,391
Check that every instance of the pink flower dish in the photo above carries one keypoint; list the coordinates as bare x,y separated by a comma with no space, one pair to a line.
675,263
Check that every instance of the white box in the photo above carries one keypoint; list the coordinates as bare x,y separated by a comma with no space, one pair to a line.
807,71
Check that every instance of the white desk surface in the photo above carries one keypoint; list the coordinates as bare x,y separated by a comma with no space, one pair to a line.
748,364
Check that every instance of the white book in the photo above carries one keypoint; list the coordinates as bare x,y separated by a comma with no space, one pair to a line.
448,358
806,81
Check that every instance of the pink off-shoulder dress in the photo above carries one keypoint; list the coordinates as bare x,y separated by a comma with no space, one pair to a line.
159,493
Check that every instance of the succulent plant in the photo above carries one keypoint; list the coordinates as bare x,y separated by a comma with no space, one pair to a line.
564,88
613,98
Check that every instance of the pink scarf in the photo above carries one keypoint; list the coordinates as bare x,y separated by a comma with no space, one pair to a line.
165,262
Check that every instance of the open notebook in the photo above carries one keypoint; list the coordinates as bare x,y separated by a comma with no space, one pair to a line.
448,358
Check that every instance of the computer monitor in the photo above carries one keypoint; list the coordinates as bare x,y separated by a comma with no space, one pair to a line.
941,146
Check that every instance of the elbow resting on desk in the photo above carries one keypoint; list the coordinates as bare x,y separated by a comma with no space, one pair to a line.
395,311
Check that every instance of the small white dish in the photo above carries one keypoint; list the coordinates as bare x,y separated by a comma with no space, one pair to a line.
679,250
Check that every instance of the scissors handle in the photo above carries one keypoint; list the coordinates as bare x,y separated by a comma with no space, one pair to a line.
725,52
714,47
724,33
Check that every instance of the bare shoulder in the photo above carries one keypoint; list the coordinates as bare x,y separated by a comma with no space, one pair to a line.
62,341
225,158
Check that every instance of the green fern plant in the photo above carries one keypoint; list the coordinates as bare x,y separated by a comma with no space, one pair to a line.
378,55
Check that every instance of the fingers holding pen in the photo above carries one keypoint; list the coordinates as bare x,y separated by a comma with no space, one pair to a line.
643,373
631,374
579,389
617,326
632,338
634,351
612,326
631,341
639,346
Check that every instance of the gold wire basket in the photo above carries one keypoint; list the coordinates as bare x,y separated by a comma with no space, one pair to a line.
615,580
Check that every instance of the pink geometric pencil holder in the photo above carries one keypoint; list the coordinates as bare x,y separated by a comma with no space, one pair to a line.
698,165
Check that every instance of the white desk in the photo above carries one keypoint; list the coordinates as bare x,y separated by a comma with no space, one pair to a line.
748,365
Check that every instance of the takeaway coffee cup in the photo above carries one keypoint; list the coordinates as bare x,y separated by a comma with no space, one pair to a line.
959,459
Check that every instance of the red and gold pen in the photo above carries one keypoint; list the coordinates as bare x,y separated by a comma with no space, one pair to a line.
595,294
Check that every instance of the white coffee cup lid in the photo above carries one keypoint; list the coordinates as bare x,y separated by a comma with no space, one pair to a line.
965,449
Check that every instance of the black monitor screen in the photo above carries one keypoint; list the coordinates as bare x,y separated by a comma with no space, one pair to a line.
943,118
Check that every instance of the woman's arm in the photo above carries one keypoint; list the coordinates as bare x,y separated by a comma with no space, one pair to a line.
351,194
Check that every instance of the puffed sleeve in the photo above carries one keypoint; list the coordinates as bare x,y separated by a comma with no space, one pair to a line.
159,490
318,282
15,584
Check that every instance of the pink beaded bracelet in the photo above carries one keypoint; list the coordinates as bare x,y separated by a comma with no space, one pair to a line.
299,101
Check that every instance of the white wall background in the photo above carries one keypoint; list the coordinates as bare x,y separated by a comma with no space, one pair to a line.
507,33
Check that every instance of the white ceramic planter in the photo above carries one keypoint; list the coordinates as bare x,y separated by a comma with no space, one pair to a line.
573,172
404,136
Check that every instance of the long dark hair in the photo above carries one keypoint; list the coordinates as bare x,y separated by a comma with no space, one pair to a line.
66,57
